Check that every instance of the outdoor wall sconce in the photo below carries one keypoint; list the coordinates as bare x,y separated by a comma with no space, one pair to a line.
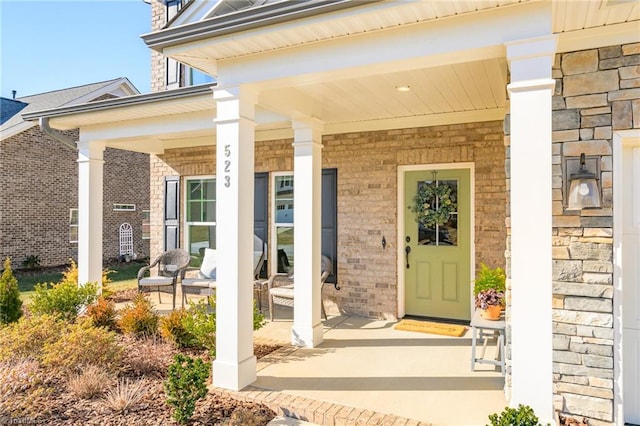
584,191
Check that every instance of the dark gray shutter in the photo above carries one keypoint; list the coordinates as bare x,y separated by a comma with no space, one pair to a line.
330,219
171,212
260,211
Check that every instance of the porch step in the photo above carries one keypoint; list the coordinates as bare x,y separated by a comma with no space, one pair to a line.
315,411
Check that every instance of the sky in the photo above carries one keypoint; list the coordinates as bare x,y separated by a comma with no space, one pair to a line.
48,45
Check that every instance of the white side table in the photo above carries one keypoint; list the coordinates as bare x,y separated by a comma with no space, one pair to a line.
484,329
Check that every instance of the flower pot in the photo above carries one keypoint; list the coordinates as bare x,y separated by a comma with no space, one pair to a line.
491,313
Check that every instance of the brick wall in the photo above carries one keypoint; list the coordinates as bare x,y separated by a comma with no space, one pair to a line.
367,165
39,186
158,64
597,92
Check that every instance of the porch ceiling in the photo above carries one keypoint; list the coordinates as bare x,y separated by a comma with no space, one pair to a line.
205,48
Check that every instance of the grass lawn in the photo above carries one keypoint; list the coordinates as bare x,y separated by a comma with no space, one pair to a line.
124,276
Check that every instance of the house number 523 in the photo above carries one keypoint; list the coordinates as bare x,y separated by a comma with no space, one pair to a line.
227,166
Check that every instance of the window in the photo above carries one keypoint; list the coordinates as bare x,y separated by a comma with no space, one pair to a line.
146,224
196,77
200,218
124,207
73,225
283,222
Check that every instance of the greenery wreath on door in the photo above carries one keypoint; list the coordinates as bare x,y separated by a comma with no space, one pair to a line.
433,204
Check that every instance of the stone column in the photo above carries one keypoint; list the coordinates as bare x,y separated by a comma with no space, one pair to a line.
90,191
307,225
235,364
530,91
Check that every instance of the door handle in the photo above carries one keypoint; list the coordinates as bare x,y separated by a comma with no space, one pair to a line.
407,250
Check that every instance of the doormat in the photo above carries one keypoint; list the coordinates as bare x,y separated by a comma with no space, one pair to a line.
431,327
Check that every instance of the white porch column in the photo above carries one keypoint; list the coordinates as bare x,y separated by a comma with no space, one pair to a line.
307,225
530,90
90,177
235,365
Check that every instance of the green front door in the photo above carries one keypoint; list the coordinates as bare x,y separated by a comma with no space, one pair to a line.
437,257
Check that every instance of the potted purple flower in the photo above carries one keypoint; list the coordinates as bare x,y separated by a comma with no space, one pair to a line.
490,302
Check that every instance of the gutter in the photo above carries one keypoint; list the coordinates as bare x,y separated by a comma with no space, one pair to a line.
243,20
57,135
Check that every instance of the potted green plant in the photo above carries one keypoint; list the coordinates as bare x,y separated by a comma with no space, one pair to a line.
489,290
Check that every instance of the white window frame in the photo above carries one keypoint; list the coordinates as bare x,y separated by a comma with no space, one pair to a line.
185,204
146,212
73,225
120,207
274,212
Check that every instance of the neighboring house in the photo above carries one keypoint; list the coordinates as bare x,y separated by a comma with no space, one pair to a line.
39,192
356,104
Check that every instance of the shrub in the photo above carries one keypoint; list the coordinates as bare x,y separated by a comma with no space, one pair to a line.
27,337
31,262
200,322
90,382
147,357
65,298
81,345
103,313
125,395
23,385
139,319
521,416
172,329
185,385
258,318
71,274
10,303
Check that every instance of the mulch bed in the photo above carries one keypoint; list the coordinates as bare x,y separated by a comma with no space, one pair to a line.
145,360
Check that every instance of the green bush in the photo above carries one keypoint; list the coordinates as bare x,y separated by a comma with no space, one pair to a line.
172,329
489,278
31,262
139,319
258,318
521,416
185,385
200,322
65,298
10,303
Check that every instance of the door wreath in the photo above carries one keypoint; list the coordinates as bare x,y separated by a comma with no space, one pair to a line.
433,204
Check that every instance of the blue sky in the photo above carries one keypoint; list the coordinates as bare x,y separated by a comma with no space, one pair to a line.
51,44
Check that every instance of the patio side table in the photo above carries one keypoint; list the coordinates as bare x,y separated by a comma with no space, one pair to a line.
484,329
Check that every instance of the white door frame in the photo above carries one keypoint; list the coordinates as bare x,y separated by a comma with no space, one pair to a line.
621,138
402,170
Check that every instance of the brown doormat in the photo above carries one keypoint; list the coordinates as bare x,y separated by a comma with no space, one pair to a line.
431,327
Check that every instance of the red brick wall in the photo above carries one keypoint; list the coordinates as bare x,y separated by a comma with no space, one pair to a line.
367,165
40,185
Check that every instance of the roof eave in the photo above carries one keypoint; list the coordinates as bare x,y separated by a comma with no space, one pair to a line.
262,16
108,104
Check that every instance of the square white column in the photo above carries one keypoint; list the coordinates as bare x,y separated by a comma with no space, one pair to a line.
530,91
235,364
90,192
307,238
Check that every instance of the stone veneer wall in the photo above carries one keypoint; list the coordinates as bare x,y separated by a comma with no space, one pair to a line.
367,165
40,185
597,91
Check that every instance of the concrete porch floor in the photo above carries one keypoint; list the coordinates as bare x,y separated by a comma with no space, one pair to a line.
368,367
367,373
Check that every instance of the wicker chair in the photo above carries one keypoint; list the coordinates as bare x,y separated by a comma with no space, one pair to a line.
281,287
171,265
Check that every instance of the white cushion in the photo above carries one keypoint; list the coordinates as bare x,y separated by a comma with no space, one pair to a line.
209,264
196,282
156,281
285,291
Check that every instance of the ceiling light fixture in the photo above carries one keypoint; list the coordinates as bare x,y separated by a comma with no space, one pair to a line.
403,88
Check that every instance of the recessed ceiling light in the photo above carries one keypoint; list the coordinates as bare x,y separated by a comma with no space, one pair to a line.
403,88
